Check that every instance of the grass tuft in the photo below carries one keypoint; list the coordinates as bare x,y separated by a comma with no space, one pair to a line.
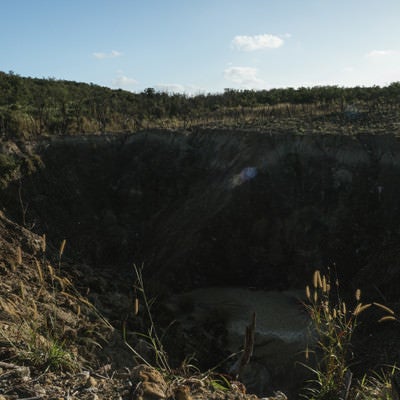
41,316
333,326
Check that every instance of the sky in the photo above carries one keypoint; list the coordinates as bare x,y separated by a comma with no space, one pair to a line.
203,46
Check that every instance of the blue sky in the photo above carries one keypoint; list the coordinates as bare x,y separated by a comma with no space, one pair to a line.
201,46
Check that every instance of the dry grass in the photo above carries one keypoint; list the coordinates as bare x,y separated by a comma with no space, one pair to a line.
43,319
378,386
151,337
333,326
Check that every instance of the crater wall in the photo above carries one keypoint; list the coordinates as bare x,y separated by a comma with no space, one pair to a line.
221,208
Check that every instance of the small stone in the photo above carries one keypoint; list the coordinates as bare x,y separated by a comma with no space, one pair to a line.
183,393
39,390
91,382
24,373
152,391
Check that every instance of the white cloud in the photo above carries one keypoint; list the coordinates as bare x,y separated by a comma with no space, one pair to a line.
190,90
257,42
246,77
123,82
381,53
170,87
102,56
195,90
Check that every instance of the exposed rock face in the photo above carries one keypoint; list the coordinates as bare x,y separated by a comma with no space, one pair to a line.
222,208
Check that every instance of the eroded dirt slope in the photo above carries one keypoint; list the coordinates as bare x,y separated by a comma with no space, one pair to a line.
54,343
219,207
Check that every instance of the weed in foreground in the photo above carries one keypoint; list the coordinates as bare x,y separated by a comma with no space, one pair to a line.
180,381
378,386
333,326
40,311
43,351
152,338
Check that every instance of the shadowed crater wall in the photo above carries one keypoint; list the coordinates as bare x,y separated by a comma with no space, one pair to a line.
221,208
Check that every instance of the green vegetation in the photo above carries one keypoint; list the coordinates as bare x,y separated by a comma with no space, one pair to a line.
32,107
8,165
13,166
43,314
152,338
333,325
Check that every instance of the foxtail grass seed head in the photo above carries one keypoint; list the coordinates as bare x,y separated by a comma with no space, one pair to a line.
39,270
35,311
44,243
315,279
360,308
136,306
344,310
317,282
388,318
334,313
315,296
389,310
22,289
51,270
358,294
357,309
308,293
62,247
324,285
13,266
307,355
19,256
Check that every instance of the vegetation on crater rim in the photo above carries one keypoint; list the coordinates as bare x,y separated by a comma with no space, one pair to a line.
32,107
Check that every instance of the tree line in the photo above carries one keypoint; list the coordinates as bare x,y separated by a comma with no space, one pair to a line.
33,107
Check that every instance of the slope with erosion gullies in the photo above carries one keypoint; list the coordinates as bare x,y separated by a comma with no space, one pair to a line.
219,207
48,330
40,302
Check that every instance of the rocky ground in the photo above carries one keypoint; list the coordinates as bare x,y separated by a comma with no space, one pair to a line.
141,383
54,344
